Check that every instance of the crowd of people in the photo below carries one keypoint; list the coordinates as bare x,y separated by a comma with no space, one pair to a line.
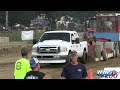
28,67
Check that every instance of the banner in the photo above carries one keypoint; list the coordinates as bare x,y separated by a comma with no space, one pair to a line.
27,35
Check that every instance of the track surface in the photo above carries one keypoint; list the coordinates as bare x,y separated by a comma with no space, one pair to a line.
53,71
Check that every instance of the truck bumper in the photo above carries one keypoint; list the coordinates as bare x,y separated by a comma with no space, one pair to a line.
50,58
52,61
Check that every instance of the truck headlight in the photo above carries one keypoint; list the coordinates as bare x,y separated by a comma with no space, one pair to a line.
34,49
63,49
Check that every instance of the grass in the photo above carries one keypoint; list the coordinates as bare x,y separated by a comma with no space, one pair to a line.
15,36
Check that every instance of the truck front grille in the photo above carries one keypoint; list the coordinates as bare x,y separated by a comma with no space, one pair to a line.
48,49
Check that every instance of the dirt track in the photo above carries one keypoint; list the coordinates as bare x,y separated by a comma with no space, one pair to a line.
53,71
7,61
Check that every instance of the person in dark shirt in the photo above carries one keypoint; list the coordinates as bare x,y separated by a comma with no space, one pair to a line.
74,70
35,74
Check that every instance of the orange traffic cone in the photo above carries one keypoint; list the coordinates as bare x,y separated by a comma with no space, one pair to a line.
90,75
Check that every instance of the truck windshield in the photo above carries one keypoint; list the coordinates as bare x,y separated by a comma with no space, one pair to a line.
55,36
107,24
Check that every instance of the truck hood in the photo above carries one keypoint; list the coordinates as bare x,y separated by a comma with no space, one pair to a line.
52,42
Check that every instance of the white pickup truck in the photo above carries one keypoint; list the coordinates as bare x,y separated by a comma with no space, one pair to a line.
55,47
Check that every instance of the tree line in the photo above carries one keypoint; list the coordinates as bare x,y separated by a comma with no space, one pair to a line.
25,17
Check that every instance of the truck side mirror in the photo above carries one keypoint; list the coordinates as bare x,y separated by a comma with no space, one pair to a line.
72,39
77,40
35,41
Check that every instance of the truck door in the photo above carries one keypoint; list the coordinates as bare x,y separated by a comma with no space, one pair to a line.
79,45
75,45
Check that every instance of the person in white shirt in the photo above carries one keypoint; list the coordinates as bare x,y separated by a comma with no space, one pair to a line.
108,25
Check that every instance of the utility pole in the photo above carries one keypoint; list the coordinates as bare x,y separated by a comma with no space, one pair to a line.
6,19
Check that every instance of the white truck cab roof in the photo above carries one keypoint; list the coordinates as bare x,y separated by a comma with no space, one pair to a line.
63,31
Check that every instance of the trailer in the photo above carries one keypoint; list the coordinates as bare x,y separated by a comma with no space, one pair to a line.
103,36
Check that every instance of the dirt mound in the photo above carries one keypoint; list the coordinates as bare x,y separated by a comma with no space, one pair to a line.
13,49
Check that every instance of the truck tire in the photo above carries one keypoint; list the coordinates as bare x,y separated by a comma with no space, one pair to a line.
84,58
104,55
119,47
68,59
117,52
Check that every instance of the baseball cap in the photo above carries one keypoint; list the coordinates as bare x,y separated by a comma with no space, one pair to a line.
33,62
73,53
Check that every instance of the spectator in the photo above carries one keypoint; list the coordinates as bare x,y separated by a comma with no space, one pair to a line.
108,24
74,70
22,66
35,74
85,35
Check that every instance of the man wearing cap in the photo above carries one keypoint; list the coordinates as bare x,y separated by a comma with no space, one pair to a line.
74,70
35,74
22,66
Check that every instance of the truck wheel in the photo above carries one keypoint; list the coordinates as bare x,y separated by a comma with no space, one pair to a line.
104,55
117,52
119,47
84,58
68,59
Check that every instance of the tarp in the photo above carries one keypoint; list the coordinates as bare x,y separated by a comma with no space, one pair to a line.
27,35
